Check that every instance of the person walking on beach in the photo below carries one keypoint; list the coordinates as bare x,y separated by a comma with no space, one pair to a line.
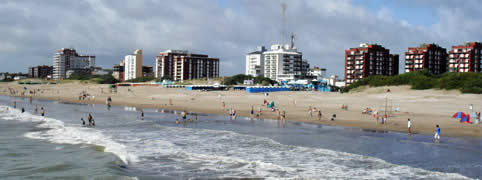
409,125
170,101
319,115
252,112
310,111
437,134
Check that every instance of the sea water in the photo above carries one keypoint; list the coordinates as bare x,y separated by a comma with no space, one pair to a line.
123,146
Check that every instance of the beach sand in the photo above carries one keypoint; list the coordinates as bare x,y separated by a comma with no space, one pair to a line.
425,108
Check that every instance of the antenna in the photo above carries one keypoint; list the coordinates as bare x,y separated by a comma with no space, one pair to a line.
283,8
292,40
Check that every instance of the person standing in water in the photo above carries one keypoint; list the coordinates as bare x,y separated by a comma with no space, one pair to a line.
142,115
83,122
14,104
91,120
437,134
42,111
252,112
23,110
36,108
184,114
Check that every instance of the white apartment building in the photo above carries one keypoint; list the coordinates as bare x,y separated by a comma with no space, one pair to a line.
255,62
68,60
284,63
133,65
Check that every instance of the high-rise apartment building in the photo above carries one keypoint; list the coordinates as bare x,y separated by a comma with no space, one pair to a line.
427,56
369,60
180,65
466,58
255,62
40,71
133,65
284,63
67,59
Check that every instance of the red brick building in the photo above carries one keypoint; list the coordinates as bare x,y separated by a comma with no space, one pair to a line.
369,60
466,58
179,65
428,56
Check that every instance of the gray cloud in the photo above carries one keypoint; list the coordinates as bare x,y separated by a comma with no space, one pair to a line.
31,30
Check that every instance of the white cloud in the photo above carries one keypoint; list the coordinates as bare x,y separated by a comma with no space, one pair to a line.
111,29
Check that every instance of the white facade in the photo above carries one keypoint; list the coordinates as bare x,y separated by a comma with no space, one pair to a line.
284,63
133,65
67,59
318,73
255,62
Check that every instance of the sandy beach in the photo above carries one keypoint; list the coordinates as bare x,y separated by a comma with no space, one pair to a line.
425,108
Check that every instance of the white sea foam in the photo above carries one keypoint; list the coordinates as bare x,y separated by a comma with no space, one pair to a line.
57,132
231,154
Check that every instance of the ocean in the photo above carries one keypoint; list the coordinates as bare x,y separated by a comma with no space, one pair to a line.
123,146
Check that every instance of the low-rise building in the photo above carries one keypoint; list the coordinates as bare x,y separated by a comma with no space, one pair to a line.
40,71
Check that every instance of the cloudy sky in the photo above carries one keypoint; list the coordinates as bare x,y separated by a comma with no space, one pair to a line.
32,30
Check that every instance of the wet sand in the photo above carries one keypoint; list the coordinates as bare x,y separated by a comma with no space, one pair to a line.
425,108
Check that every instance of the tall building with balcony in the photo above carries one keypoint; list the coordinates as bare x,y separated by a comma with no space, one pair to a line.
466,58
427,56
255,62
284,63
180,65
68,61
133,65
369,60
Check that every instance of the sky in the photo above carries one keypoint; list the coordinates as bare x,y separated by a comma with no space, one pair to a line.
31,31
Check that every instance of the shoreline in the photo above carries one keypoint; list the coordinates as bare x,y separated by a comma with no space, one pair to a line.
296,110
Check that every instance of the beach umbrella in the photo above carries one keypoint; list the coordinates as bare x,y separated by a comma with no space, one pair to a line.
459,115
465,119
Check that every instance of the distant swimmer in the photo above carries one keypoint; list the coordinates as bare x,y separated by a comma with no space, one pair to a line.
142,114
42,111
190,120
23,110
177,121
83,122
14,104
36,110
